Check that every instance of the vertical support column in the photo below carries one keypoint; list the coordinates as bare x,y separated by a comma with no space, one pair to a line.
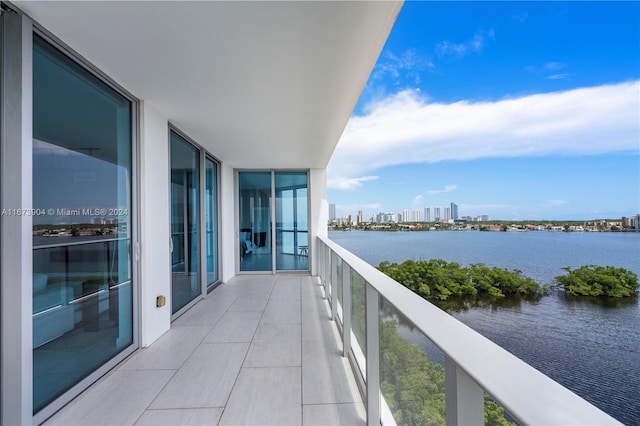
16,269
346,309
373,354
202,223
464,398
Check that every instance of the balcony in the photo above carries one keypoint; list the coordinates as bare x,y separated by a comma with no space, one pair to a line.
262,349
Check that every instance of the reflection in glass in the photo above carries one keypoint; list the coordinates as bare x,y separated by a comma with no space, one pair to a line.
82,289
412,373
185,215
358,320
211,219
292,233
339,266
255,221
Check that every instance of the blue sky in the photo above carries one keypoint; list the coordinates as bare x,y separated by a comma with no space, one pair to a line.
518,110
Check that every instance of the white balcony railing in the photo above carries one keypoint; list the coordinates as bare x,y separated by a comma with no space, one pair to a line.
473,364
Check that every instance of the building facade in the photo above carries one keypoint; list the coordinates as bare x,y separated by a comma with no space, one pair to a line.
332,212
454,211
134,184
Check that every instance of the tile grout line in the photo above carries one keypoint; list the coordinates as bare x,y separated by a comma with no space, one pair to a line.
186,358
244,359
301,354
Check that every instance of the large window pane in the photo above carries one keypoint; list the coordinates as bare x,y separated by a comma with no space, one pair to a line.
255,221
185,215
292,239
82,290
211,220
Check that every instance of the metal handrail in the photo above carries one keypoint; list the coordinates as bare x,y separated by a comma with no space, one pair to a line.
528,395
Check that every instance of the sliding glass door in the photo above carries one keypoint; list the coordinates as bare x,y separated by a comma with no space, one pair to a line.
292,232
273,236
211,220
185,222
255,221
82,270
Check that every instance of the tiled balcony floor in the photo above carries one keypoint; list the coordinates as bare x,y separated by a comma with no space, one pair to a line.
259,350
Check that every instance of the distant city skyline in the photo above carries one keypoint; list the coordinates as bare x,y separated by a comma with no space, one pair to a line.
406,215
517,110
444,213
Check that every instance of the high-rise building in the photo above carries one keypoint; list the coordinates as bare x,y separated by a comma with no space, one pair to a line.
332,212
399,217
454,211
427,214
416,215
436,214
360,217
447,213
637,224
385,217
405,215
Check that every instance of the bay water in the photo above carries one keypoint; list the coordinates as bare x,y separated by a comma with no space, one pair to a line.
590,346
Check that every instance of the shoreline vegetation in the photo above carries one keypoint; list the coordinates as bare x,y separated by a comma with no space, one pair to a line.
437,280
413,385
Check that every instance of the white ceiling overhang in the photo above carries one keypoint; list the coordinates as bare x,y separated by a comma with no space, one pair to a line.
259,84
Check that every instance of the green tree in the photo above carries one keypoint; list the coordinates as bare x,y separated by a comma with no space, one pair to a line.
494,414
414,387
593,280
437,279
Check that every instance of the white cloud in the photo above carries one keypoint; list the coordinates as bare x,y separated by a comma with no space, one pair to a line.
406,128
447,188
349,208
549,70
554,66
339,182
558,76
417,200
475,45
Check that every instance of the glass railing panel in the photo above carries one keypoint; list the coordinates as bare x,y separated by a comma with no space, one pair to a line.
339,286
412,372
358,320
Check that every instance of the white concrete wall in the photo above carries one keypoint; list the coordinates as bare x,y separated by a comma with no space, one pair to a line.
155,254
227,222
319,212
